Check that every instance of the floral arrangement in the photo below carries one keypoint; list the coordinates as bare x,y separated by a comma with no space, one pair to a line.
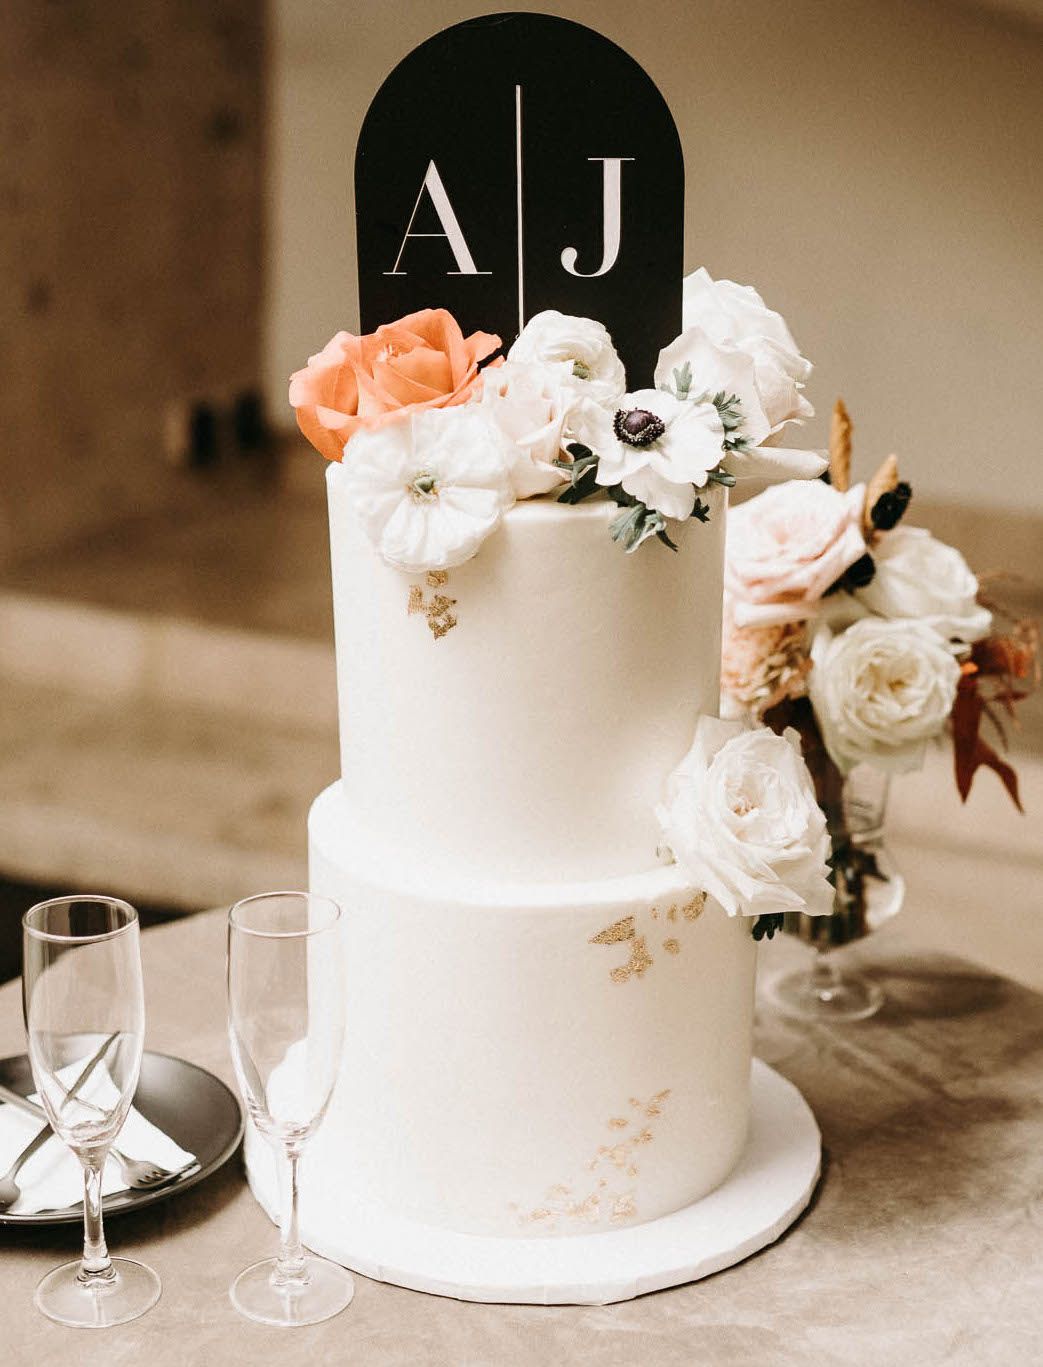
438,438
743,821
868,637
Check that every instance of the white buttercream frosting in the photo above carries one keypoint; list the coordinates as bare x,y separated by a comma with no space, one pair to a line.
522,1059
533,735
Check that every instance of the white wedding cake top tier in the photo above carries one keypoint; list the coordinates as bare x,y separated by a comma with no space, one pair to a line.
518,715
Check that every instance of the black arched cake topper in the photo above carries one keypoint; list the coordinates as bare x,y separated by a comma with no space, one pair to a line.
516,163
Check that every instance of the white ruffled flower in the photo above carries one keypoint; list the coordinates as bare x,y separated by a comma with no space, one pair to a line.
743,822
430,489
531,401
596,371
918,576
728,312
655,445
880,690
786,546
733,342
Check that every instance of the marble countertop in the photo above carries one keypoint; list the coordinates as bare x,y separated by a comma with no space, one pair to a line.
922,1245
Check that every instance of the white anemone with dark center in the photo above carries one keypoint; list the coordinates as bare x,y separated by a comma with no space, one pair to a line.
658,447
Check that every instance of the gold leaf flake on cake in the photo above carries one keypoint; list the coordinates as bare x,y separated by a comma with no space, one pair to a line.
616,933
438,610
602,1197
625,931
693,909
623,1208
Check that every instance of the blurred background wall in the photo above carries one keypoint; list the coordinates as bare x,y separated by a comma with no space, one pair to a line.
131,144
871,165
176,230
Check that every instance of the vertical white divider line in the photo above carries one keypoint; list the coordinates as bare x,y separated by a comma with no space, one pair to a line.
518,171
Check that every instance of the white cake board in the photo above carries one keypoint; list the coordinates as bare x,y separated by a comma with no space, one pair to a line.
770,1186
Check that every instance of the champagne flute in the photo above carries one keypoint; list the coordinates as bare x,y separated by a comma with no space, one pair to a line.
85,1025
286,1028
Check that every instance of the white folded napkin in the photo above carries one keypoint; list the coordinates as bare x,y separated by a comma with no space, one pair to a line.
53,1177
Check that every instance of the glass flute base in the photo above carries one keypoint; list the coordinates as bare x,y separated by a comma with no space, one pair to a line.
824,994
63,1297
324,1292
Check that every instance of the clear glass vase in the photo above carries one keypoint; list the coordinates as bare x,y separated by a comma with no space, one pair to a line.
869,891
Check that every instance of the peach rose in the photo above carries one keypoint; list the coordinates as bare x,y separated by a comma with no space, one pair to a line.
422,361
786,546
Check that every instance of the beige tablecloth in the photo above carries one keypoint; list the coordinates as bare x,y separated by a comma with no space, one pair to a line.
923,1246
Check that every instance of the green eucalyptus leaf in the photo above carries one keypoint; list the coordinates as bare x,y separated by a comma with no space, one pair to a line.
721,476
683,380
636,525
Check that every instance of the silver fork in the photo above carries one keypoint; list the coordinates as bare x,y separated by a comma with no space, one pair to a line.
9,1188
139,1174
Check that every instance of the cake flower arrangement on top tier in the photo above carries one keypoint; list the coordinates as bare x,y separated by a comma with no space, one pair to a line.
868,637
438,440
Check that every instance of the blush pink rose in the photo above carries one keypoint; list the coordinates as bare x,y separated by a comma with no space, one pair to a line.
422,361
786,547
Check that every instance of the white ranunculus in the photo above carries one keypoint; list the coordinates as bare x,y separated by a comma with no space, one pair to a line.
531,401
584,344
917,576
880,690
786,546
742,821
430,489
659,469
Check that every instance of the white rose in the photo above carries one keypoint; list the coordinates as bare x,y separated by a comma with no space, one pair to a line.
735,343
786,546
657,446
582,343
917,576
530,402
743,822
728,312
736,315
430,489
880,690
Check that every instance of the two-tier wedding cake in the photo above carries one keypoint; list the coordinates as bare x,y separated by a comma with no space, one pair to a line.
554,861
549,1018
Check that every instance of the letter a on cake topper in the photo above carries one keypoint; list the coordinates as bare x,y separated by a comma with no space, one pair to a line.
516,163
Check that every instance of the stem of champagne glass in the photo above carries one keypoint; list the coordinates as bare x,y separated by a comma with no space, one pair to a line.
96,1265
290,1265
825,976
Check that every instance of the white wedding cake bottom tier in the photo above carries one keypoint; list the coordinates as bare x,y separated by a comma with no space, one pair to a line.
531,1059
759,1199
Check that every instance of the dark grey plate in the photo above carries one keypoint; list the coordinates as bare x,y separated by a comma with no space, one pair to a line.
189,1104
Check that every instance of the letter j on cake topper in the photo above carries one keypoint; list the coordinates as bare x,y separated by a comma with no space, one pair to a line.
516,163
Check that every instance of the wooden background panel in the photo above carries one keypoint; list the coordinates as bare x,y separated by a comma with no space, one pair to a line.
130,232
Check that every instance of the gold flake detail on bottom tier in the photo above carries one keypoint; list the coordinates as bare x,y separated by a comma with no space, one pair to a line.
625,931
601,1195
439,614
